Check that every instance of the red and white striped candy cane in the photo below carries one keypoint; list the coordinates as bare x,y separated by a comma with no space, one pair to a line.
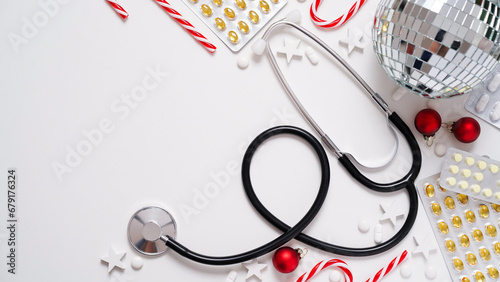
384,271
339,21
118,9
186,25
324,264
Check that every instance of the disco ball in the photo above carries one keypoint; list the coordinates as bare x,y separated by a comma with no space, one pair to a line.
437,48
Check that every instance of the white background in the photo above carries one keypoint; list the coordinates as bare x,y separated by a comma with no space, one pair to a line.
197,121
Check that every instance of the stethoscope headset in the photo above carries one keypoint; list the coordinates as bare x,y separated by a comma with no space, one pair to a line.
152,230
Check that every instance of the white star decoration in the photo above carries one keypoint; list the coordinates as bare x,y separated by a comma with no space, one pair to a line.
355,39
254,268
114,259
391,212
290,49
424,246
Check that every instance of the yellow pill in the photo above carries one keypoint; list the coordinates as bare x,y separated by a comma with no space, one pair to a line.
243,27
206,10
493,272
442,189
275,1
429,190
230,14
194,1
471,258
487,192
220,23
449,203
496,248
233,37
450,245
484,212
490,230
477,235
485,254
478,176
241,4
264,6
470,216
217,3
457,157
254,17
464,240
463,185
454,169
475,188
479,276
436,208
497,195
443,227
458,264
456,221
470,161
451,181
466,173
463,199
495,207
493,168
464,279
481,165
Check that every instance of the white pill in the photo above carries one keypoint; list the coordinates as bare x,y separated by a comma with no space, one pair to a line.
378,234
243,62
495,112
430,272
405,270
294,16
364,226
259,46
137,263
440,150
400,92
335,276
482,103
313,57
231,277
494,83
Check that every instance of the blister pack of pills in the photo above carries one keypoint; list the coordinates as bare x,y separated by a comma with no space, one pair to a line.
484,101
471,174
235,22
465,229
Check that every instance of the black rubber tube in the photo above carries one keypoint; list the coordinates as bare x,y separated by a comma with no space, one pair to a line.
290,232
406,181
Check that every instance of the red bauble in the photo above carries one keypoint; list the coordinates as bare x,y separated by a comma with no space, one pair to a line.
286,259
466,129
428,122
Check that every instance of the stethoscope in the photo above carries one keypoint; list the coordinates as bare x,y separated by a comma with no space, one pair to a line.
152,230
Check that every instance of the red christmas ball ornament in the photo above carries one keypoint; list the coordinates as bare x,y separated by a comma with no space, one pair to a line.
428,122
466,129
286,259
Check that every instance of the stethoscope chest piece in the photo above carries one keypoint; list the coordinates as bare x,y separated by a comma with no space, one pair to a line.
147,227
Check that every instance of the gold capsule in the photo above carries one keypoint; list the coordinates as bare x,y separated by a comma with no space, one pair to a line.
243,27
264,6
471,258
495,207
484,212
458,264
206,10
490,230
485,254
275,1
477,235
233,37
194,1
241,4
443,227
470,216
220,23
442,189
230,14
217,3
464,240
464,279
449,203
429,190
493,272
479,276
496,248
436,208
456,221
450,245
463,199
253,16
